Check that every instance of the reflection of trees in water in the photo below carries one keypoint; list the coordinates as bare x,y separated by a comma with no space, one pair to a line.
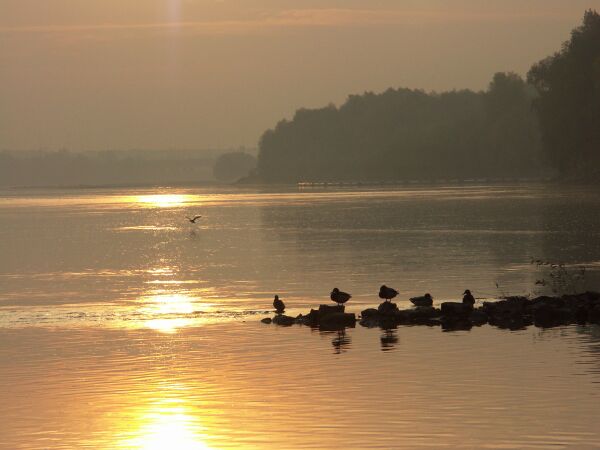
443,242
389,339
473,236
572,232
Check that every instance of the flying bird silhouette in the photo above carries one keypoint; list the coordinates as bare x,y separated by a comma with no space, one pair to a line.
192,220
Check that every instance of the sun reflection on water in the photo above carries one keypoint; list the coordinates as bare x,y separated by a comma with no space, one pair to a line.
167,426
163,200
167,312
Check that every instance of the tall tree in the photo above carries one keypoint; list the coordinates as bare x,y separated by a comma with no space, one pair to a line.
569,100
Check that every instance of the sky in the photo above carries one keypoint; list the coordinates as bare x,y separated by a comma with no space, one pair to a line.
194,74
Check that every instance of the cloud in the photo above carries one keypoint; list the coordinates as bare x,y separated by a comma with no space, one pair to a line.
296,18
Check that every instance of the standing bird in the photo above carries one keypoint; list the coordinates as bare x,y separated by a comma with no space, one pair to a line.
278,305
340,297
468,298
387,293
425,300
192,220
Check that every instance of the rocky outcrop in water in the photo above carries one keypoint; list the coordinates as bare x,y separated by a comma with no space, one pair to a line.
511,313
326,318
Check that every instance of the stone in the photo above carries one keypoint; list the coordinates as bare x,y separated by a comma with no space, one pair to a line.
369,313
267,320
478,317
325,310
425,312
282,320
337,321
388,309
594,315
456,309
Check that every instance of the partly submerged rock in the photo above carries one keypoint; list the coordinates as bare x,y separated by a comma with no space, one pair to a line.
316,316
388,309
456,309
283,320
267,320
478,317
337,321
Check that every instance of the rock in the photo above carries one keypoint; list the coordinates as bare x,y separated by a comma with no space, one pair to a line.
325,310
302,320
316,316
478,317
284,321
337,320
267,320
581,315
546,315
456,309
426,312
370,322
594,315
388,309
511,306
369,313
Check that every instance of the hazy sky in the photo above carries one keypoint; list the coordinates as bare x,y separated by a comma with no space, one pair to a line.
98,74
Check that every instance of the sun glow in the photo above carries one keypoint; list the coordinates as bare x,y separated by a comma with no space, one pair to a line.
168,427
168,312
163,200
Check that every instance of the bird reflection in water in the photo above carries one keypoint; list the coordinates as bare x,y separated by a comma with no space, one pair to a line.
341,342
389,339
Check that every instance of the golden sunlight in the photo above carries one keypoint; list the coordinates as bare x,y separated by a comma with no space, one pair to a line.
168,326
171,304
163,200
168,427
167,312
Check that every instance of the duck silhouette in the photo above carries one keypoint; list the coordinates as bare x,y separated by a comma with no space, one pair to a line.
425,300
387,293
468,298
339,297
278,305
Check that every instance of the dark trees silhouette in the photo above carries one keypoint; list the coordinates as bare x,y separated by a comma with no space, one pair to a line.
408,134
568,105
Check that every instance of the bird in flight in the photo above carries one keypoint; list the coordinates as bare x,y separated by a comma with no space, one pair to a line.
192,220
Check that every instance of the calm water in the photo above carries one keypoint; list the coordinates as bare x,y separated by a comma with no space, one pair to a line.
124,326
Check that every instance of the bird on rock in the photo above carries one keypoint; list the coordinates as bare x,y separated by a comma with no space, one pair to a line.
340,297
387,293
468,298
425,300
278,305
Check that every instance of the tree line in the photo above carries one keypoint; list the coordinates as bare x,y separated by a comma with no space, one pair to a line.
514,128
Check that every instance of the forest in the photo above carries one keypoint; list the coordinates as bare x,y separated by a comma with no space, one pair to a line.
546,123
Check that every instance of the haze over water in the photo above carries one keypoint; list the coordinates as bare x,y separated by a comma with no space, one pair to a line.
124,326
